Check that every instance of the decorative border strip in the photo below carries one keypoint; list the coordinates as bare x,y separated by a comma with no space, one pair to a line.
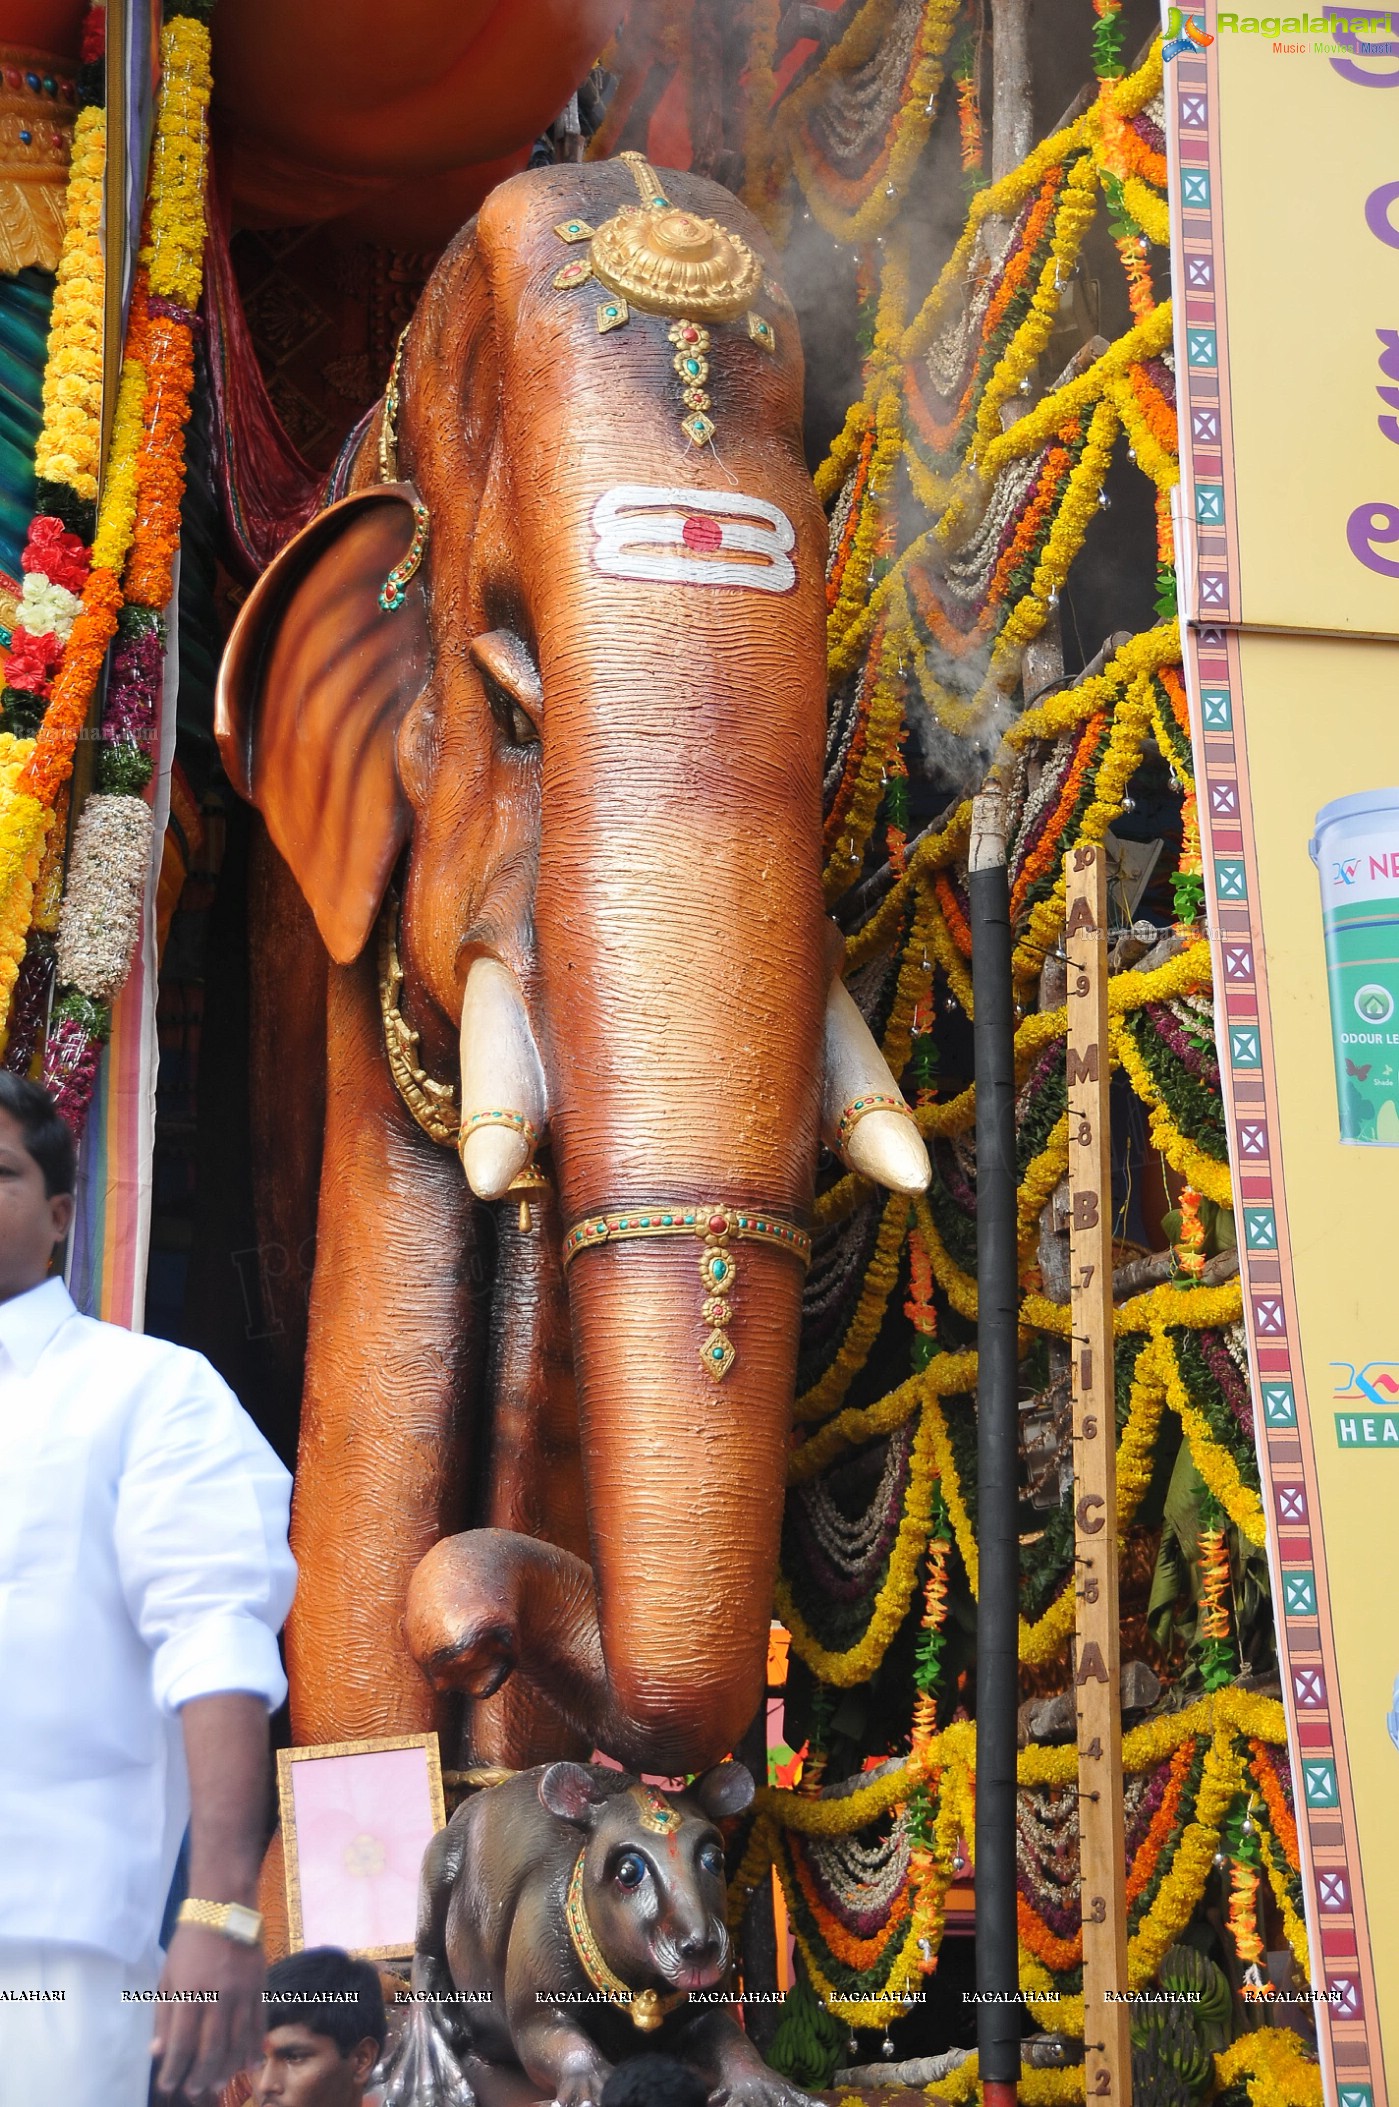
1347,2030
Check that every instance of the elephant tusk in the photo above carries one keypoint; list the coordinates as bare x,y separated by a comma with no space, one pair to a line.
882,1144
503,1104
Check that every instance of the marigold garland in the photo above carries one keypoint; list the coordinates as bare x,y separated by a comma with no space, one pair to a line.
856,1664
69,444
1214,1463
1275,2067
858,210
137,526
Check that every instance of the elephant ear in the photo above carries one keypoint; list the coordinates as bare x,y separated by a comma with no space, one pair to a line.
313,687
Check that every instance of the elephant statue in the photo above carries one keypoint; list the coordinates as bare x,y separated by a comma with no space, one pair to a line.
533,713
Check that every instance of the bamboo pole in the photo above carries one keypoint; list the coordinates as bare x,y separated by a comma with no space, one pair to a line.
1097,1666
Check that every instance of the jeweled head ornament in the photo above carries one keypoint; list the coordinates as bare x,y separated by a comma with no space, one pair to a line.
669,261
662,259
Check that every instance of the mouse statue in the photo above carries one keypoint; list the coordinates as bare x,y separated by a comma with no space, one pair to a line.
571,1916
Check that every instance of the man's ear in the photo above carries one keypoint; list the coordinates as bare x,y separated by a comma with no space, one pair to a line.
61,1206
575,1792
363,2057
313,687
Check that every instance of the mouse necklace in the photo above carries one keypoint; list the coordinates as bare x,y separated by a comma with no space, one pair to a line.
647,2007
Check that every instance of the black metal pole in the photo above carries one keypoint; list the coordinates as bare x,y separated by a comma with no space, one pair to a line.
997,1450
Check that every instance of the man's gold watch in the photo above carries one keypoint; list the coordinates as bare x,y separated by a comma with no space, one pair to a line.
233,1919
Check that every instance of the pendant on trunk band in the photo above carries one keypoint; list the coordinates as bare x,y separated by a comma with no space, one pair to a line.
719,1272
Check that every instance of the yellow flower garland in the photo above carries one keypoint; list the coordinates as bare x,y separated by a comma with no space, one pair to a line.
856,1664
1149,209
116,521
24,824
825,1394
947,1375
1076,509
1078,205
70,441
1131,723
1205,1173
1225,1713
1037,1186
1211,1459
1152,457
1294,1929
1034,430
1275,2067
910,129
175,250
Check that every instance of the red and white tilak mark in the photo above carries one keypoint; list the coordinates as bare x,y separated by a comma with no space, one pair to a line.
693,537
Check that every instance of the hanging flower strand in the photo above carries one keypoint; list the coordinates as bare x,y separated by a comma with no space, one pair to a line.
102,908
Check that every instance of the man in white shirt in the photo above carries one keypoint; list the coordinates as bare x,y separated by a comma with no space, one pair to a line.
144,1575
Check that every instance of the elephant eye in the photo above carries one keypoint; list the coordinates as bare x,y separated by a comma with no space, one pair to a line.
516,723
511,680
631,1870
711,1859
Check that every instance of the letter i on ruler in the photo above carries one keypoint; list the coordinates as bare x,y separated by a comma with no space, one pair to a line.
1097,1690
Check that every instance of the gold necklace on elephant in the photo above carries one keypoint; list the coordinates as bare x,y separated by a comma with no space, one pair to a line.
647,2007
432,1104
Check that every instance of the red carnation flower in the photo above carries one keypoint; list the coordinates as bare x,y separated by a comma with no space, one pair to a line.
94,44
59,555
32,660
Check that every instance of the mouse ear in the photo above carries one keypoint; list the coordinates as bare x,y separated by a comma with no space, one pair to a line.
726,1789
574,1792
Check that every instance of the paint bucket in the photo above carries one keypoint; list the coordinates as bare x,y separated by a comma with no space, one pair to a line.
1356,852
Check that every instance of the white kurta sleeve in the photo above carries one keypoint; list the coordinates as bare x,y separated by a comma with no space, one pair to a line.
201,1538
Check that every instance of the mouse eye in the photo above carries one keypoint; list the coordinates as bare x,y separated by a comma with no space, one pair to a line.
711,1859
631,1870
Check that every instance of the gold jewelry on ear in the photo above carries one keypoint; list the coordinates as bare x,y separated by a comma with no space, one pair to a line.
394,590
388,422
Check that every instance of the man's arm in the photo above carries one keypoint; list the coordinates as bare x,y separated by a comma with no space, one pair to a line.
200,2046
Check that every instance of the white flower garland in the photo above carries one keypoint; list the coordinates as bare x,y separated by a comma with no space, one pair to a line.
106,886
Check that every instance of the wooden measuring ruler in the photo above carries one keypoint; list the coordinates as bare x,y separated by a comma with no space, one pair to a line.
1097,1669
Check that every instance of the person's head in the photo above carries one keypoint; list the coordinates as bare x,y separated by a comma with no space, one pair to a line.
324,2021
654,2081
36,1183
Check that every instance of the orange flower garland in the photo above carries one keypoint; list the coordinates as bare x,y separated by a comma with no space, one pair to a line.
1190,1258
51,763
855,1952
1141,295
841,555
1214,1584
1057,1954
1280,1819
1047,852
1143,1867
1159,416
1043,502
1243,1913
969,123
952,914
170,380
940,434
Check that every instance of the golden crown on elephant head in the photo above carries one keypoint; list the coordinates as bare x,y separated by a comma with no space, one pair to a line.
668,261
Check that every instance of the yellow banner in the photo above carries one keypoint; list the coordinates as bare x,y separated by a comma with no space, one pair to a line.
1301,168
1283,136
